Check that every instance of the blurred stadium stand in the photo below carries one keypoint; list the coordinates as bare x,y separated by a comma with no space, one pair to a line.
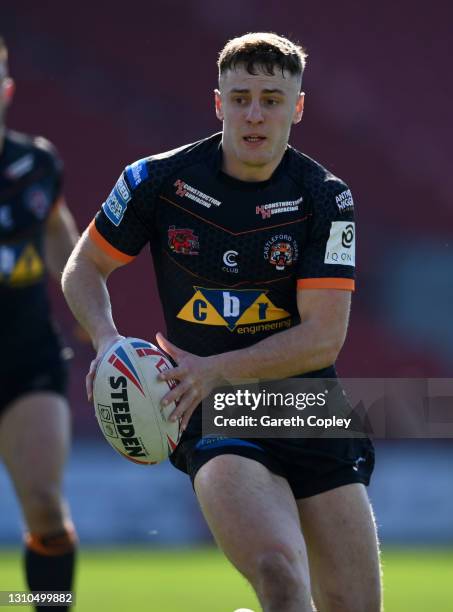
116,502
108,86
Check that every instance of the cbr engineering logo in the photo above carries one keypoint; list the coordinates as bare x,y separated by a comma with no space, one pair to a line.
231,308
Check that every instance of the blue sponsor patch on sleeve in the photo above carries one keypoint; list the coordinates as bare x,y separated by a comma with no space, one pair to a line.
137,172
116,204
122,190
114,207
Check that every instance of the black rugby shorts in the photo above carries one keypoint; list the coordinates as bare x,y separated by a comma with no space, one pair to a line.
310,465
48,375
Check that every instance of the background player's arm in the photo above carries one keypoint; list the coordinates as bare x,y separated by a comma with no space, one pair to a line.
84,284
61,236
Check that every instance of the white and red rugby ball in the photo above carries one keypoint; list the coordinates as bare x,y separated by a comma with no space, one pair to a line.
127,398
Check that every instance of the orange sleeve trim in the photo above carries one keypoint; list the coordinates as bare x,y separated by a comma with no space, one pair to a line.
346,284
105,246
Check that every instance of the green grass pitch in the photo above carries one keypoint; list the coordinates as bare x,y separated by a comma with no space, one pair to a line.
119,580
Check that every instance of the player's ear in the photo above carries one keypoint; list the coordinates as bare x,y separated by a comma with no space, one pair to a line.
8,89
218,105
299,111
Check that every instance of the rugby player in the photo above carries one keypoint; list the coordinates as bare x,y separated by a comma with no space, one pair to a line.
37,234
242,228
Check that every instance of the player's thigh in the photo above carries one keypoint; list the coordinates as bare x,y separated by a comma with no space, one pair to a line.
341,538
34,442
251,513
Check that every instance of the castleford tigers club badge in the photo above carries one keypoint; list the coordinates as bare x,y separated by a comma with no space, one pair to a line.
281,251
183,240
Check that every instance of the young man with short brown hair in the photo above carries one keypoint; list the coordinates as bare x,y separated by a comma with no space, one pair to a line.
252,292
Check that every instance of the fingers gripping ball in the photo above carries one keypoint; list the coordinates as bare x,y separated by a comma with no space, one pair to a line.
127,398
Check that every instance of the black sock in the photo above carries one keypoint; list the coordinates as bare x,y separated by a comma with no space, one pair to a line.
50,572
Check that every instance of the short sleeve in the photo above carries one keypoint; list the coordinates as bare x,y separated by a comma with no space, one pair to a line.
121,227
50,157
328,259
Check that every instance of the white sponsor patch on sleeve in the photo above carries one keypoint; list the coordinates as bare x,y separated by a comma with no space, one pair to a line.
344,201
340,248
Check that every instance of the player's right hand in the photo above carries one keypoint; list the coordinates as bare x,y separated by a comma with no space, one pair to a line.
104,346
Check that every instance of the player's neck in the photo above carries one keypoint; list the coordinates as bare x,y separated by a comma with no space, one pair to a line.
252,174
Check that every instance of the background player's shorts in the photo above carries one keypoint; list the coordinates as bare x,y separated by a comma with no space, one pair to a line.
47,375
310,465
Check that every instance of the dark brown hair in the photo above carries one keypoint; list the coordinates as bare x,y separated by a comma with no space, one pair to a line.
264,51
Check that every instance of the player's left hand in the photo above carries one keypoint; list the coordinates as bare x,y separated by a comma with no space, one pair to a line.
197,376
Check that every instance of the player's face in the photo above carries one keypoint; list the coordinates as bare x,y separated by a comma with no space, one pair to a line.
257,113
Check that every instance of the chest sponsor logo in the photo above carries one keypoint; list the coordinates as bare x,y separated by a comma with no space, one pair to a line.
276,208
6,219
344,201
183,240
20,265
230,308
184,190
37,201
230,262
281,251
340,248
20,167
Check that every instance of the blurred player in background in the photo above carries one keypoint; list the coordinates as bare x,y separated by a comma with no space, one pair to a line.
242,228
37,234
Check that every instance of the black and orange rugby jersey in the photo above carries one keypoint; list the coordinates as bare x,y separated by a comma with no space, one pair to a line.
229,254
30,185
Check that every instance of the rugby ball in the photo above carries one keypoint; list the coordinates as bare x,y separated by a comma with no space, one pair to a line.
127,396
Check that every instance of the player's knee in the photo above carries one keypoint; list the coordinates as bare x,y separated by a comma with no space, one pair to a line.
347,599
280,579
